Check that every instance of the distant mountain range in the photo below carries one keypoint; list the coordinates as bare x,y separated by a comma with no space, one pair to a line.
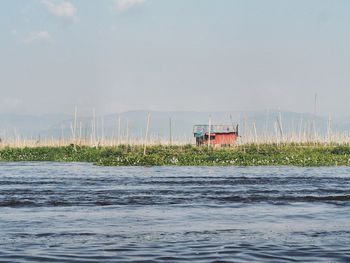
61,125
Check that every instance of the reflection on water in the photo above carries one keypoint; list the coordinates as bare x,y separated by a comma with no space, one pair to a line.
79,212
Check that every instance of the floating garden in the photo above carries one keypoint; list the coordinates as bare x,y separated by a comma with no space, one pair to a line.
188,155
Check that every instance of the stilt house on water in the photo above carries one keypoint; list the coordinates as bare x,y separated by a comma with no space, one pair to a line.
220,135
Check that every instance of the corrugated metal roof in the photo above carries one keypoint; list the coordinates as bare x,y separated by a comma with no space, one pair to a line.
203,129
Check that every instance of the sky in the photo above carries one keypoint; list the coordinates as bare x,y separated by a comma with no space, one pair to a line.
177,55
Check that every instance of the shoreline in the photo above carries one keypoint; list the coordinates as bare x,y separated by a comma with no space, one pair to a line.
306,155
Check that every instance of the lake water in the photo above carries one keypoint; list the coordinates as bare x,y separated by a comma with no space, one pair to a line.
53,212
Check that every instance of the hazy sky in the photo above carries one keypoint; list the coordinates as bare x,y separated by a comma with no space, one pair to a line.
202,55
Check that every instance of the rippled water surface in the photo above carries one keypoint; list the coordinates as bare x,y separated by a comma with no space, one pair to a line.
53,212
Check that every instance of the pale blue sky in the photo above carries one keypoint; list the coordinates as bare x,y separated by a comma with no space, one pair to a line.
174,55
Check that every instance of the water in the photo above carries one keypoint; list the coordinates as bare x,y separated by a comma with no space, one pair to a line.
53,212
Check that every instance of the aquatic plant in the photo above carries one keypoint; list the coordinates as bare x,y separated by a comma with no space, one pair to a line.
245,155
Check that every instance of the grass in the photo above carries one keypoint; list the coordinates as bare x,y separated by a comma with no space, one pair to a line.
245,155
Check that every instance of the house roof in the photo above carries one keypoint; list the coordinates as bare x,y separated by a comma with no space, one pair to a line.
200,130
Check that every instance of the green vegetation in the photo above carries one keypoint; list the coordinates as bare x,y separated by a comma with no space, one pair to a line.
247,155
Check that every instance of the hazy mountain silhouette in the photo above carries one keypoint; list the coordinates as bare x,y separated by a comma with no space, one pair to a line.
58,125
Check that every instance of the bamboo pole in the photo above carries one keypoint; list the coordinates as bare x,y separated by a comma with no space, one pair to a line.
329,128
75,125
102,131
127,131
209,133
266,133
80,131
170,133
255,133
279,121
276,132
119,129
94,127
300,129
146,135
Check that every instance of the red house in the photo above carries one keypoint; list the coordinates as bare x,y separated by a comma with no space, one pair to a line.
220,135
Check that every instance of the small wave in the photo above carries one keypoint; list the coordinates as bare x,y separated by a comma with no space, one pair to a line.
16,203
176,200
258,198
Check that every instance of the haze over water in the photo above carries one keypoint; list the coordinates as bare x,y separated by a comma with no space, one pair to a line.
78,212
